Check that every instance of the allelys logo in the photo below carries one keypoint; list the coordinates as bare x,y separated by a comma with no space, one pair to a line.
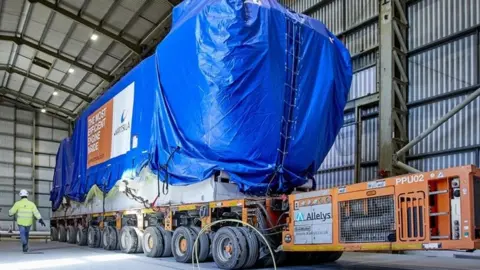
313,216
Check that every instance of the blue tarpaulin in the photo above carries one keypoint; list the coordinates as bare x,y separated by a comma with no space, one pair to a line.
245,87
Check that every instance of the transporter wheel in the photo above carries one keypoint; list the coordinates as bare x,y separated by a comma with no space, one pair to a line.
101,238
229,252
109,238
182,244
53,234
119,242
252,246
94,237
62,234
131,241
167,241
82,236
140,240
152,242
203,248
71,235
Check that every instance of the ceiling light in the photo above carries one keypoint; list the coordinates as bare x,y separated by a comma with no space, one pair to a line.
55,93
71,70
44,110
94,37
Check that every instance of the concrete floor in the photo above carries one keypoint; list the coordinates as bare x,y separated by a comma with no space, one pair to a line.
54,255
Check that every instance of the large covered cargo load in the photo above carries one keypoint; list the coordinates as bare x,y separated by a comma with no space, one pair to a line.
246,88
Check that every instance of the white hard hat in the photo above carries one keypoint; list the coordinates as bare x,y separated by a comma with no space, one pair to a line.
23,193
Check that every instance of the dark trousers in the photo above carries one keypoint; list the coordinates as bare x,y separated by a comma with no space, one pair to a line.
24,233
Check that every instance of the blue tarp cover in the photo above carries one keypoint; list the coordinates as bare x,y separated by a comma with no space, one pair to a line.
245,87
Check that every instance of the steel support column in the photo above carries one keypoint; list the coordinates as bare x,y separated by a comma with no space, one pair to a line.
392,83
34,146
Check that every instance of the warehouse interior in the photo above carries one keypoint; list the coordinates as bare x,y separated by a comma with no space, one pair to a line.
413,104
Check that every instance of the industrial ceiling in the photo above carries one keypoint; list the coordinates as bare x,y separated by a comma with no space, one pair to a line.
58,56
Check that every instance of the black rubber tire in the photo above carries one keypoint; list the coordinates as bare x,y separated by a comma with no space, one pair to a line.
167,241
109,238
140,240
53,234
180,233
62,234
129,240
118,233
243,246
71,235
101,238
252,246
203,248
82,236
94,237
152,242
238,255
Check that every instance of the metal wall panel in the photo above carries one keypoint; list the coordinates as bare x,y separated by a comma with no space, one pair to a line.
57,123
362,39
358,11
300,5
24,130
6,141
332,16
369,173
17,162
7,112
25,116
370,140
43,187
445,161
6,156
462,130
45,174
23,158
364,83
23,144
43,200
443,69
364,61
430,20
47,147
342,152
334,178
6,127
6,170
6,198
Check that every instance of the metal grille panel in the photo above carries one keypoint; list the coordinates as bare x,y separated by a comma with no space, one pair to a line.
367,220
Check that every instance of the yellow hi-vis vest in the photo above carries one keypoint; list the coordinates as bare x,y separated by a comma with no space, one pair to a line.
25,211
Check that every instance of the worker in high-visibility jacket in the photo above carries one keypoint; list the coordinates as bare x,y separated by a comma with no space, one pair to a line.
25,211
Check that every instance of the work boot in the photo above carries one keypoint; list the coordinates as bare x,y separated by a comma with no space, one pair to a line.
25,248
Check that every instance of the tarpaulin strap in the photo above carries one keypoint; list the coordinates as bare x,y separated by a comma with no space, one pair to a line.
293,42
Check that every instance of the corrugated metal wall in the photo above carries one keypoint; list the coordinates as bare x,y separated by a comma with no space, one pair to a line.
28,146
443,69
356,23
